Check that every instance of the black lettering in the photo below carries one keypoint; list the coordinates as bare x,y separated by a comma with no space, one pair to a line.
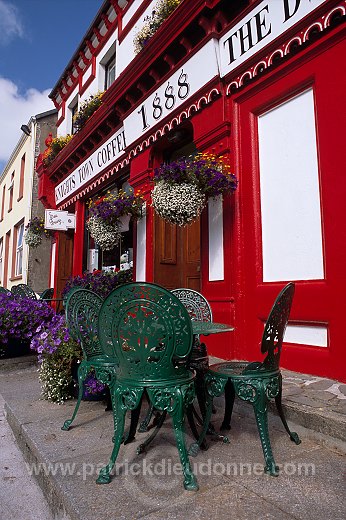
99,159
288,14
230,47
262,24
184,86
157,112
243,37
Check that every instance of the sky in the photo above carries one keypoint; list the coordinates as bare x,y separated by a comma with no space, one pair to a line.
37,40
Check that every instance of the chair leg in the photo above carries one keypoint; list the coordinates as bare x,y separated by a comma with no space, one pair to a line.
190,482
190,414
261,413
131,434
142,447
119,411
82,373
143,427
229,403
194,448
293,435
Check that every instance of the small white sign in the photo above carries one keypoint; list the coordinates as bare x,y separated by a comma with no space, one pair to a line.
58,220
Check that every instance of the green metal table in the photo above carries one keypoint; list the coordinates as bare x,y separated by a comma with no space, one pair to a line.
204,328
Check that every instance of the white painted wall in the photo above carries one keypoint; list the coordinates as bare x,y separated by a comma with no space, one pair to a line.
126,49
290,196
215,231
141,253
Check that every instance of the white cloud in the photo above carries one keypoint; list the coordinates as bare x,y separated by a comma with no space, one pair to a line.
10,23
16,110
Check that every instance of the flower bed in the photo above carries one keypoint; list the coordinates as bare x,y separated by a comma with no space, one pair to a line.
19,319
87,108
100,282
57,353
161,11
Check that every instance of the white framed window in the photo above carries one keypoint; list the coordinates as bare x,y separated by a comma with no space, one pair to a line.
110,72
19,249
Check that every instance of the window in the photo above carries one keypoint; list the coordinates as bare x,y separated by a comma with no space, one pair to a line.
21,179
19,232
74,110
1,259
10,188
121,254
110,72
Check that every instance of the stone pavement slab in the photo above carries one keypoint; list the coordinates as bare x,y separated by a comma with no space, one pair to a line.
230,476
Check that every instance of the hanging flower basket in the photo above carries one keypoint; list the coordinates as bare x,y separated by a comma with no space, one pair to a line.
34,232
182,187
105,235
107,214
178,204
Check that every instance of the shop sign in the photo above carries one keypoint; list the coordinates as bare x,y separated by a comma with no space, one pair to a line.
58,220
181,85
100,159
261,26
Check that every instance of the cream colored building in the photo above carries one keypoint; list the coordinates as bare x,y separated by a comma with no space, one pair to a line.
19,203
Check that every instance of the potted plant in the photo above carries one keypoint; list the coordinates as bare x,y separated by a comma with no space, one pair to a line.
87,108
161,11
34,232
19,319
182,187
57,355
106,214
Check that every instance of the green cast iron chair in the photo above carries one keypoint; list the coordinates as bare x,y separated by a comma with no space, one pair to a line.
256,382
82,308
199,309
47,294
148,332
24,291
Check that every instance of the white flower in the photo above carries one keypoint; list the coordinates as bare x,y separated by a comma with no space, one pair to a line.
179,204
32,239
105,235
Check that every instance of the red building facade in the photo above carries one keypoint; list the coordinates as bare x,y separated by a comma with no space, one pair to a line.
260,82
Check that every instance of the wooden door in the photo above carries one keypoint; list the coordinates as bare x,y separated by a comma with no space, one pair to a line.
64,261
177,255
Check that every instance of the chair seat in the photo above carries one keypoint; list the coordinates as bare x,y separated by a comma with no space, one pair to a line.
239,369
142,383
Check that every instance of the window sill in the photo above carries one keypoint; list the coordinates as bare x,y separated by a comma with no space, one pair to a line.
15,278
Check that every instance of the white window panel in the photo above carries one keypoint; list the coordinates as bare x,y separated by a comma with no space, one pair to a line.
290,196
314,335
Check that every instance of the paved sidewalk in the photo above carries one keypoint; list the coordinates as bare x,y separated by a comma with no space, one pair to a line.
20,496
311,484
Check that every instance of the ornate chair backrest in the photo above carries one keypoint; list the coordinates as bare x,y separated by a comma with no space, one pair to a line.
148,330
275,327
24,291
47,294
196,304
82,309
